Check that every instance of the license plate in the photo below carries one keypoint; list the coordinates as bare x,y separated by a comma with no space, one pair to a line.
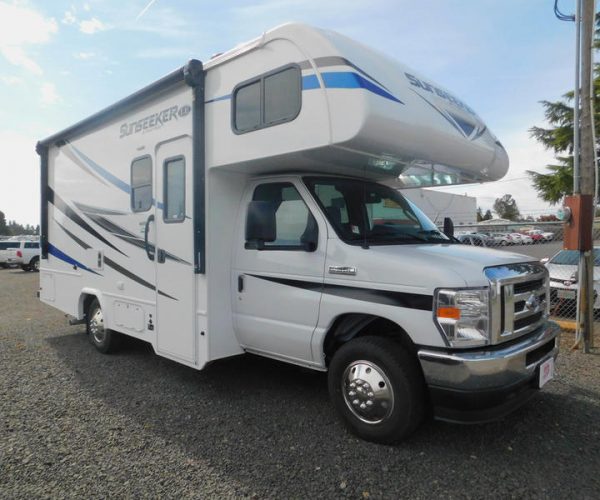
546,372
565,294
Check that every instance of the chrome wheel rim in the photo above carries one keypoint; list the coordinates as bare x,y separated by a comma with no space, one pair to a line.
97,326
36,265
367,392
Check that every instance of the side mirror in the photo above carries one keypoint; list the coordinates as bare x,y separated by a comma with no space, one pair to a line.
545,260
448,227
261,224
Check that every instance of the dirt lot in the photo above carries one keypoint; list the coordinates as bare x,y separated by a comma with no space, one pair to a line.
76,423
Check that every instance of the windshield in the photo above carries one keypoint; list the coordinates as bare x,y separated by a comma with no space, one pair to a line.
363,212
571,257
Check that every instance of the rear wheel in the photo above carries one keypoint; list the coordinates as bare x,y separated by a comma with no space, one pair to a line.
103,339
25,267
377,388
34,265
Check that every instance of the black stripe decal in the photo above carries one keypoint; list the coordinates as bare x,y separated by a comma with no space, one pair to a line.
385,297
74,216
98,210
137,279
129,237
113,265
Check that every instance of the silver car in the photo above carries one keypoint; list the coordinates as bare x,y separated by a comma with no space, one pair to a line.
563,270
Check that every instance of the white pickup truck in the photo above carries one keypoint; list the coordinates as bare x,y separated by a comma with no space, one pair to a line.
26,255
5,248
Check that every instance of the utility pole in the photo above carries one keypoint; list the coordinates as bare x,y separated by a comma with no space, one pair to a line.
587,171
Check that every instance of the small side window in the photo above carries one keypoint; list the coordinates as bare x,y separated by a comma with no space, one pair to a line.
247,107
141,184
174,190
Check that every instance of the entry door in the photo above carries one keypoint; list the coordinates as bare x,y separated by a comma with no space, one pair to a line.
277,289
174,254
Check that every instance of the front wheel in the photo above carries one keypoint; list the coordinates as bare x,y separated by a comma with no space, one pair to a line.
103,339
377,388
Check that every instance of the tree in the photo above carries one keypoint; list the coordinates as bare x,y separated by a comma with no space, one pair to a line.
488,215
506,208
479,214
555,185
3,229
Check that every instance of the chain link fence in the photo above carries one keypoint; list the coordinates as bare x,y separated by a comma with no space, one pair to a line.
543,241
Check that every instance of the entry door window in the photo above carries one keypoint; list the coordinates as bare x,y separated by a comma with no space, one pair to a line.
174,190
295,225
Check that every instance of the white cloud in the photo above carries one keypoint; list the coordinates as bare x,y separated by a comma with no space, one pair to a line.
69,18
91,26
18,57
165,53
21,26
524,154
86,7
11,80
84,56
49,95
19,198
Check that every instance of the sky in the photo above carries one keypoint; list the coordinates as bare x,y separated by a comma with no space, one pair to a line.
61,61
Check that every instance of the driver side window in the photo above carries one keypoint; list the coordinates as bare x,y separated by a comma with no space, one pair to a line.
295,226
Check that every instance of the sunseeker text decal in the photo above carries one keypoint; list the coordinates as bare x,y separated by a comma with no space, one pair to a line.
435,90
155,120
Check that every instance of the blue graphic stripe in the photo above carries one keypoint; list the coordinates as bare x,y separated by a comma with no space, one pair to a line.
69,260
335,80
310,82
123,186
351,80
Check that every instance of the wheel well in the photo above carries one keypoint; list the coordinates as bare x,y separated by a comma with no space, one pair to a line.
350,326
84,303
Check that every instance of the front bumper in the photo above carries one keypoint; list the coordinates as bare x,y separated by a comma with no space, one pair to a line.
479,386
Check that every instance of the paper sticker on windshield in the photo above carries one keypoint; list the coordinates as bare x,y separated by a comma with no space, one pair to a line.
389,203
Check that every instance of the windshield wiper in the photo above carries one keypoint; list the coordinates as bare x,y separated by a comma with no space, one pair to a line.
401,237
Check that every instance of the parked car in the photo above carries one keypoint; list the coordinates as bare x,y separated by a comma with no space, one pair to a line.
475,239
545,235
26,255
521,239
5,246
500,239
562,268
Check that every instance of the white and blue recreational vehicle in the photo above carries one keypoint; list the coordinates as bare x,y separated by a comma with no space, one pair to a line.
250,205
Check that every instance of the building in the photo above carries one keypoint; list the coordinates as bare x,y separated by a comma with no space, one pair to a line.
462,209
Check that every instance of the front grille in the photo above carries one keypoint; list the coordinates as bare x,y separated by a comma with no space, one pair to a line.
528,286
518,300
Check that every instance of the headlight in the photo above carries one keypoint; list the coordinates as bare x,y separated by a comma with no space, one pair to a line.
463,316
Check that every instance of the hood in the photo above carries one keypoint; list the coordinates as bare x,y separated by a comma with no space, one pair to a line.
426,267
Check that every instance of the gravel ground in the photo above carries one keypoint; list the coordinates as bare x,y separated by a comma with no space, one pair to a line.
76,423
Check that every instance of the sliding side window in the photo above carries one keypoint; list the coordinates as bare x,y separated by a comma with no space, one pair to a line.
141,184
267,100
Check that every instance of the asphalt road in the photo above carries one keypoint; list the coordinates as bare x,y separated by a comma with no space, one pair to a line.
76,423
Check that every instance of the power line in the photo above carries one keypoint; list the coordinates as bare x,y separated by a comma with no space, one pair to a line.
560,15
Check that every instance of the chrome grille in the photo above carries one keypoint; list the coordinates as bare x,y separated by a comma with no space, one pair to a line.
518,299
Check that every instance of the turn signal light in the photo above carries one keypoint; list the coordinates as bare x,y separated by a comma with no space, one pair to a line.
19,253
448,312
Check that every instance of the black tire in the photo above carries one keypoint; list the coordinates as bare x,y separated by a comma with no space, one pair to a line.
103,339
25,268
394,366
34,265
